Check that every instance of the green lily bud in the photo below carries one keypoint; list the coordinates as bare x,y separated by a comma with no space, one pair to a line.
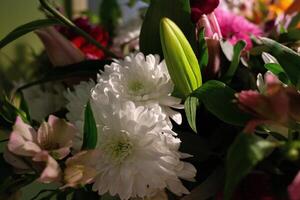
181,61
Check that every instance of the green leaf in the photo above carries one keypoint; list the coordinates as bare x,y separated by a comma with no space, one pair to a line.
287,58
176,10
190,106
110,13
290,36
237,50
203,50
243,155
26,28
89,129
278,71
218,98
9,112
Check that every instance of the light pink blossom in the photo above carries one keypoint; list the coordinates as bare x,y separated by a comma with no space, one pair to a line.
81,168
59,49
28,148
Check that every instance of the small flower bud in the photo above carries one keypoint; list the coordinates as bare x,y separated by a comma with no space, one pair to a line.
181,61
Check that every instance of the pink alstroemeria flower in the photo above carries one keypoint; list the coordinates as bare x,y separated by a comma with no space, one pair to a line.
40,148
81,168
59,49
294,188
278,105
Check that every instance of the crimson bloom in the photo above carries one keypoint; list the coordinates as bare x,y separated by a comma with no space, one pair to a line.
96,31
201,7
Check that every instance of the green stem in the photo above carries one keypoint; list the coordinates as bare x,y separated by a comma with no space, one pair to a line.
45,4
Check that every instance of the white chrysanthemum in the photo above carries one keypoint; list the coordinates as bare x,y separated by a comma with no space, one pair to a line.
145,81
77,100
139,155
43,100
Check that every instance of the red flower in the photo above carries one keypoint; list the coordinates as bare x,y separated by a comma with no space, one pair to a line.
97,32
200,7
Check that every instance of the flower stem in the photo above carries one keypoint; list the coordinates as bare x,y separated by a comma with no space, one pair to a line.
45,4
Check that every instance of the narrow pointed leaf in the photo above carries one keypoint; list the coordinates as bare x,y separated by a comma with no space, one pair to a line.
90,134
237,50
190,106
27,28
203,51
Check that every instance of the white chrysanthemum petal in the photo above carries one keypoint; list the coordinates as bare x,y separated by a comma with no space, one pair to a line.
143,80
77,100
139,158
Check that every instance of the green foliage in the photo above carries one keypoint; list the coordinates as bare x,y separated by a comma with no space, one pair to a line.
176,10
218,98
287,58
235,60
90,134
203,51
110,13
9,112
190,106
26,28
244,154
278,71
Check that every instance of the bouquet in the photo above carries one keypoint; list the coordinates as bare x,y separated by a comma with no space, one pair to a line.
190,100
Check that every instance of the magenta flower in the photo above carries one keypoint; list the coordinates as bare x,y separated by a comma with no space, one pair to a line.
235,28
40,148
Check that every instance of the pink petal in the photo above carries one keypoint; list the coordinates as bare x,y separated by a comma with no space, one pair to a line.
81,168
20,146
24,130
63,131
294,188
52,171
59,154
60,50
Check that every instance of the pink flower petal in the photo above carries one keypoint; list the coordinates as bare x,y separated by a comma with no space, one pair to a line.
63,131
19,146
60,50
52,171
81,168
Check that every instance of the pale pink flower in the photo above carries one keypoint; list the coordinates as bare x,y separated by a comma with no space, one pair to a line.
294,188
40,148
235,28
81,168
59,49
